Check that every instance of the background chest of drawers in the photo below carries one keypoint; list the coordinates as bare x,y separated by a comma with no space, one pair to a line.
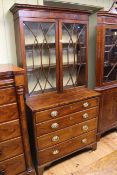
63,121
15,155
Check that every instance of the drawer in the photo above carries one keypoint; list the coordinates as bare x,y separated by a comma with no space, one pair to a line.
65,134
60,150
63,122
9,130
8,112
13,166
7,96
65,110
10,148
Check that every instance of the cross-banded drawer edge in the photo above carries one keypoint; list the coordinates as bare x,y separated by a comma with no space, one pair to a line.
66,109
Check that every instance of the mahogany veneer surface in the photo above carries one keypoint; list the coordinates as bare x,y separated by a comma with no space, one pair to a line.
49,100
73,131
15,157
106,81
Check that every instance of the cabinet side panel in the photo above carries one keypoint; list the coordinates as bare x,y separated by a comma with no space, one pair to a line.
99,60
108,110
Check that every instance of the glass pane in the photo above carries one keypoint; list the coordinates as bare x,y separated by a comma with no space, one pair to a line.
74,54
110,56
40,56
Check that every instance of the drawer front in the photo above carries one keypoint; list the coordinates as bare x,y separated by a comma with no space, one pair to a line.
7,96
13,166
10,148
60,150
63,122
65,110
49,140
9,130
8,112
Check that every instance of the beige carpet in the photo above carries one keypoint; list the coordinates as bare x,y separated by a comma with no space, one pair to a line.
104,166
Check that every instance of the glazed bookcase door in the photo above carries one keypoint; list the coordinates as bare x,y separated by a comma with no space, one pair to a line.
74,53
40,49
110,55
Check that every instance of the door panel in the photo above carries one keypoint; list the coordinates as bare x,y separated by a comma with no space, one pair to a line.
108,109
74,53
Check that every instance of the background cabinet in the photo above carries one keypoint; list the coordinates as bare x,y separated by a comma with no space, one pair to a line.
106,70
15,155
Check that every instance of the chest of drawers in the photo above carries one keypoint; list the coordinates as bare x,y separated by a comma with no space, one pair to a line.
60,121
15,157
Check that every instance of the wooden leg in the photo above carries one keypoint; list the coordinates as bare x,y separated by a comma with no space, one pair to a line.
40,170
98,137
94,146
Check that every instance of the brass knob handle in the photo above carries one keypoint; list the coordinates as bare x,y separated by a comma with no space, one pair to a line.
86,104
55,138
85,116
55,152
54,113
84,140
54,125
85,128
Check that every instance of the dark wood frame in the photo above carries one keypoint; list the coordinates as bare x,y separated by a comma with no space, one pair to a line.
43,13
107,89
13,77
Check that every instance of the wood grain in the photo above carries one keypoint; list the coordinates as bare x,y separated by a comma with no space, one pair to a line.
108,89
69,109
71,145
66,134
15,156
14,165
9,130
42,102
63,122
77,164
7,96
10,148
9,112
106,165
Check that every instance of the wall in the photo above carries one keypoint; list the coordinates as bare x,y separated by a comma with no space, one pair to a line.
104,3
7,38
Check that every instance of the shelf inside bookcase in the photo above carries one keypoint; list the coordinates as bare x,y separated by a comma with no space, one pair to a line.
51,45
52,66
